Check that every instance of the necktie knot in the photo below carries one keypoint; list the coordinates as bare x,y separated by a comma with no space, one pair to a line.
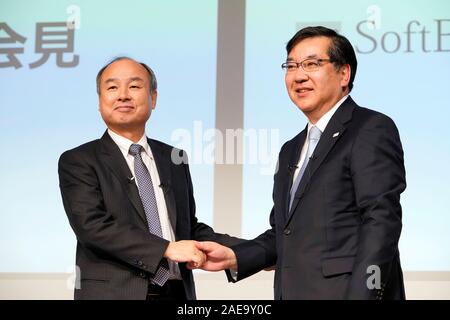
314,133
135,149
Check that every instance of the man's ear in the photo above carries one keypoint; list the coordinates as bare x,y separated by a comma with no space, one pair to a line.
345,72
153,96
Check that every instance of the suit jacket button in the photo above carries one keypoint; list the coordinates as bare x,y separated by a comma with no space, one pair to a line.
140,263
287,232
142,275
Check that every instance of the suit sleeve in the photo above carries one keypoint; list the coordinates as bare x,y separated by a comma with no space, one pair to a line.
378,175
95,227
257,254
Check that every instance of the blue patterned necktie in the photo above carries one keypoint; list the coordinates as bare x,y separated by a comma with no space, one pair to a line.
314,136
148,199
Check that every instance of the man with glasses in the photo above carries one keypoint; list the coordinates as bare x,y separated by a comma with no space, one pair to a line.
336,219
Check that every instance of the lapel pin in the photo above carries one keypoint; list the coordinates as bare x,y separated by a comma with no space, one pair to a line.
335,134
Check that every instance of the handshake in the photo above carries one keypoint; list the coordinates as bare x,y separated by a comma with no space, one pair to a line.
206,255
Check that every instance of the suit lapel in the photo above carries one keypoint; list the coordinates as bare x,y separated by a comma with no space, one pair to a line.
112,157
333,131
163,163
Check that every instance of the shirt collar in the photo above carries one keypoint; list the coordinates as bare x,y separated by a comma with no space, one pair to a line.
124,143
323,121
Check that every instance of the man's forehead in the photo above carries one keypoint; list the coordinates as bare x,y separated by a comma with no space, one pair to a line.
310,56
130,79
125,68
314,47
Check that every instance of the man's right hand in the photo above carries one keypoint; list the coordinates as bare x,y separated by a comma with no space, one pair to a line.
218,257
185,251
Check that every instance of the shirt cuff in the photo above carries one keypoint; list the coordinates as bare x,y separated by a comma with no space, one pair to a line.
234,274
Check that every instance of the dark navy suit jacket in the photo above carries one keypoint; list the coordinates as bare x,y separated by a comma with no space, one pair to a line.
345,221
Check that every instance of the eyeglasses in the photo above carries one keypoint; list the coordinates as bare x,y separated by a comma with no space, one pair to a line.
310,64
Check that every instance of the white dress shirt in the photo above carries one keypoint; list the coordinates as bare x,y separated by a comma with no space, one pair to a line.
147,157
321,125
